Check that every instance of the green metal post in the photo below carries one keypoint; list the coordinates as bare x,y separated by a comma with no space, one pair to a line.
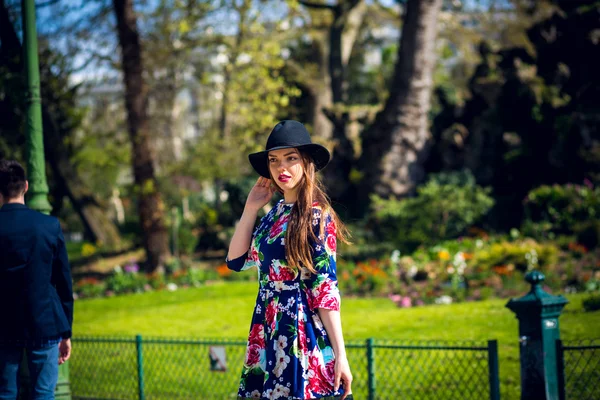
494,372
538,314
140,365
36,164
371,368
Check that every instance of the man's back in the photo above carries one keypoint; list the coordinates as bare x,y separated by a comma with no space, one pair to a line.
35,282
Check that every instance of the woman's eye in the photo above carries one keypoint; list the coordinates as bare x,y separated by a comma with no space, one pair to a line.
292,158
272,160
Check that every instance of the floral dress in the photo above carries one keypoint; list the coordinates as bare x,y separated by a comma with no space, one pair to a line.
289,355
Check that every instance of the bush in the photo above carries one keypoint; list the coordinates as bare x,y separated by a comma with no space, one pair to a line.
559,209
592,303
126,282
444,208
89,287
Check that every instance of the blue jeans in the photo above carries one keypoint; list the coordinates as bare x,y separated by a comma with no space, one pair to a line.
43,371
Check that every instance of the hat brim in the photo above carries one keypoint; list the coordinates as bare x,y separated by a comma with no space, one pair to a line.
319,154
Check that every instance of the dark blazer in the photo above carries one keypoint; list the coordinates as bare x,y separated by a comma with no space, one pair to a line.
36,294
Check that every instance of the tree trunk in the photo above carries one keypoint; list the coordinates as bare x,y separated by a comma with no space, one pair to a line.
348,17
98,226
150,206
395,146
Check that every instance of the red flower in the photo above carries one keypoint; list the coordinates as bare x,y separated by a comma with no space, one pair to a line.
325,295
271,314
302,334
257,335
253,254
331,242
330,229
284,274
252,355
321,377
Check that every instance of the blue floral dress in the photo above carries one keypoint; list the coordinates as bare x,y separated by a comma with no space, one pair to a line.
289,355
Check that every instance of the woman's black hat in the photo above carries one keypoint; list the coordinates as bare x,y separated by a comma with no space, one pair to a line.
289,134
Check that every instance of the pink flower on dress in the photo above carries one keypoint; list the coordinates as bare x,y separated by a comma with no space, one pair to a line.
320,377
331,243
284,273
257,335
302,345
271,315
330,229
325,295
277,227
253,256
252,356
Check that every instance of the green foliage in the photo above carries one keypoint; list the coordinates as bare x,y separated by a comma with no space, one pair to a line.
126,282
444,207
592,303
521,255
562,209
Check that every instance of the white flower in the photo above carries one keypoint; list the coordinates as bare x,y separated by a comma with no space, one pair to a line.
117,269
281,391
281,343
281,363
445,299
395,257
254,395
171,287
412,271
479,243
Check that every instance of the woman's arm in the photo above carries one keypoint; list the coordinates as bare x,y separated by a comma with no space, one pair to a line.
240,242
260,195
333,325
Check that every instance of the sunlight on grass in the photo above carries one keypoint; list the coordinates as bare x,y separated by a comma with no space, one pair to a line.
223,310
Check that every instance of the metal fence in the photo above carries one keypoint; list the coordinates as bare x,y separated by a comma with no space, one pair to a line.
578,364
161,368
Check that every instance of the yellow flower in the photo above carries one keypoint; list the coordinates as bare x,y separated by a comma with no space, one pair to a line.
444,255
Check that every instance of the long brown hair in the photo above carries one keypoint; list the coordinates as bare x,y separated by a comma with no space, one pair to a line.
300,230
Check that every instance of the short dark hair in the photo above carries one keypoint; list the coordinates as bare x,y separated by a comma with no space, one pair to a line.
12,179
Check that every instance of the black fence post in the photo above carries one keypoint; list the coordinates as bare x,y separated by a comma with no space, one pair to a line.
140,367
560,372
493,369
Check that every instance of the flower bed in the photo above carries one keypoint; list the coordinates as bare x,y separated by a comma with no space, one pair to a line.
473,269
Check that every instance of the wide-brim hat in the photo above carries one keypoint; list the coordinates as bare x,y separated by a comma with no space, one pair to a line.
289,134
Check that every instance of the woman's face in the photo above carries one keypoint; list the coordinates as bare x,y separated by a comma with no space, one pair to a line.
286,168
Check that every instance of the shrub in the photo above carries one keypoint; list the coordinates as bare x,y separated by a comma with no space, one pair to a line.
89,287
444,208
592,303
559,209
126,282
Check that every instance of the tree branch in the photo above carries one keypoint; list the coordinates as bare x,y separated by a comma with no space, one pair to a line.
47,3
321,6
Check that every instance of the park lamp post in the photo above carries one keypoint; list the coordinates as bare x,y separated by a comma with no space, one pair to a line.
36,164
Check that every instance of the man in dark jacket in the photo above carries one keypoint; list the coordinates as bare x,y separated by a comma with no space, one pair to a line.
36,298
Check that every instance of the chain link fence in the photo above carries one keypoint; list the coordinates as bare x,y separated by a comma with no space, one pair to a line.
161,368
579,369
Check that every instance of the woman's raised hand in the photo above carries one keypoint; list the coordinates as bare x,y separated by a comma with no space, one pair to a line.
260,194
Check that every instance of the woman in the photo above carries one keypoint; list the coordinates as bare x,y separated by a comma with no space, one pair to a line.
295,347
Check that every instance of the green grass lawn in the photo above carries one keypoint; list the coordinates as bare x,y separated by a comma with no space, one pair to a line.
224,310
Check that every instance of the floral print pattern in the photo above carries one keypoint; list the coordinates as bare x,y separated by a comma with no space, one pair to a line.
289,355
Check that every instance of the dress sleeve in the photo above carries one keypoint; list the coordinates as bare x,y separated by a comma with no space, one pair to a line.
248,260
322,288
